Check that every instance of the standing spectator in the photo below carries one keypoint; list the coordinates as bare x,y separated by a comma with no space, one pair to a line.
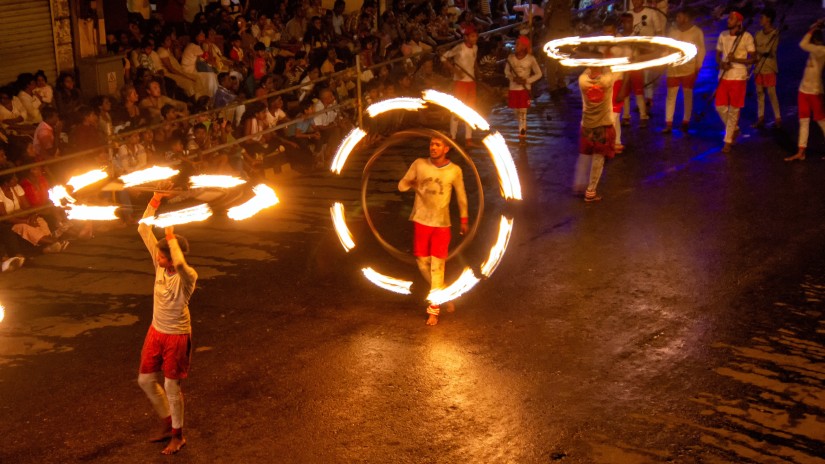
811,104
522,70
461,62
766,68
26,84
684,75
734,53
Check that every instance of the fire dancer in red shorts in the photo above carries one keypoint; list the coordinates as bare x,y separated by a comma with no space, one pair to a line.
434,180
168,343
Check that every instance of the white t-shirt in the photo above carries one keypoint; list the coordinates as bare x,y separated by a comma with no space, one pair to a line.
465,58
812,76
433,190
526,68
694,36
647,22
738,72
597,98
273,118
12,204
190,56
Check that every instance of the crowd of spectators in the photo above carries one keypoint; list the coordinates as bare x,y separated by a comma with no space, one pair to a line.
279,81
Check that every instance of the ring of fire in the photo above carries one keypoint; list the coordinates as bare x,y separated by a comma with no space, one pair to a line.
507,176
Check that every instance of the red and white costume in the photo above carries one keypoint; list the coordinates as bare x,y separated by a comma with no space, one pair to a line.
811,90
526,68
684,75
730,95
464,83
168,343
431,214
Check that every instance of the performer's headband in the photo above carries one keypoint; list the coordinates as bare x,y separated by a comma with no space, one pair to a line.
738,16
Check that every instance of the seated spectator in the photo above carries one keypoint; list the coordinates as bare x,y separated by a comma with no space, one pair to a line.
193,62
307,89
46,135
155,101
129,114
296,27
304,134
87,135
172,68
131,156
265,86
32,228
26,84
327,122
262,64
102,104
67,97
43,90
147,139
214,55
12,113
328,66
224,95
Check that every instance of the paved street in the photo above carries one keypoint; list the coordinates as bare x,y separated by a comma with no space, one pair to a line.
679,320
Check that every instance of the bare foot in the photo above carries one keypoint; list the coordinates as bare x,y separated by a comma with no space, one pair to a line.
432,319
175,445
797,157
449,307
164,433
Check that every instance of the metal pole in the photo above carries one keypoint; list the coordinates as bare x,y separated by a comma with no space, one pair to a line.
359,104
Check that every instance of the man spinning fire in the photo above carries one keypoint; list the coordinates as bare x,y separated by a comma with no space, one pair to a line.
434,180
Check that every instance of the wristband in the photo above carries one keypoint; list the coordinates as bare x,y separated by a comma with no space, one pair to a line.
169,238
154,202
465,220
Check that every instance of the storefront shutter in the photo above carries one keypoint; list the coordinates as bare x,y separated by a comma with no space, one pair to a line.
26,39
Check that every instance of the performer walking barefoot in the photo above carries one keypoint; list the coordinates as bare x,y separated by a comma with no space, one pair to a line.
811,104
522,70
734,53
434,180
168,344
684,75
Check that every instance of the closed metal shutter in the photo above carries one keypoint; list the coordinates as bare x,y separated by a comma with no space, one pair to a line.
26,39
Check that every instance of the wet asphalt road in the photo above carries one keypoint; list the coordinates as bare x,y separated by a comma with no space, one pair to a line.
679,320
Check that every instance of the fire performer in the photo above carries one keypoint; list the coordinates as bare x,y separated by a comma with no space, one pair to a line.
434,180
811,102
461,61
168,344
522,70
734,53
597,137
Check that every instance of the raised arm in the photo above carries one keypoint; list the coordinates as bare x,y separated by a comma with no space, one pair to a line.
145,230
186,272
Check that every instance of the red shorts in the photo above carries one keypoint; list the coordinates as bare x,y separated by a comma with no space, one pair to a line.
810,106
431,241
731,93
466,92
617,104
598,141
686,82
167,352
637,82
766,80
518,99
